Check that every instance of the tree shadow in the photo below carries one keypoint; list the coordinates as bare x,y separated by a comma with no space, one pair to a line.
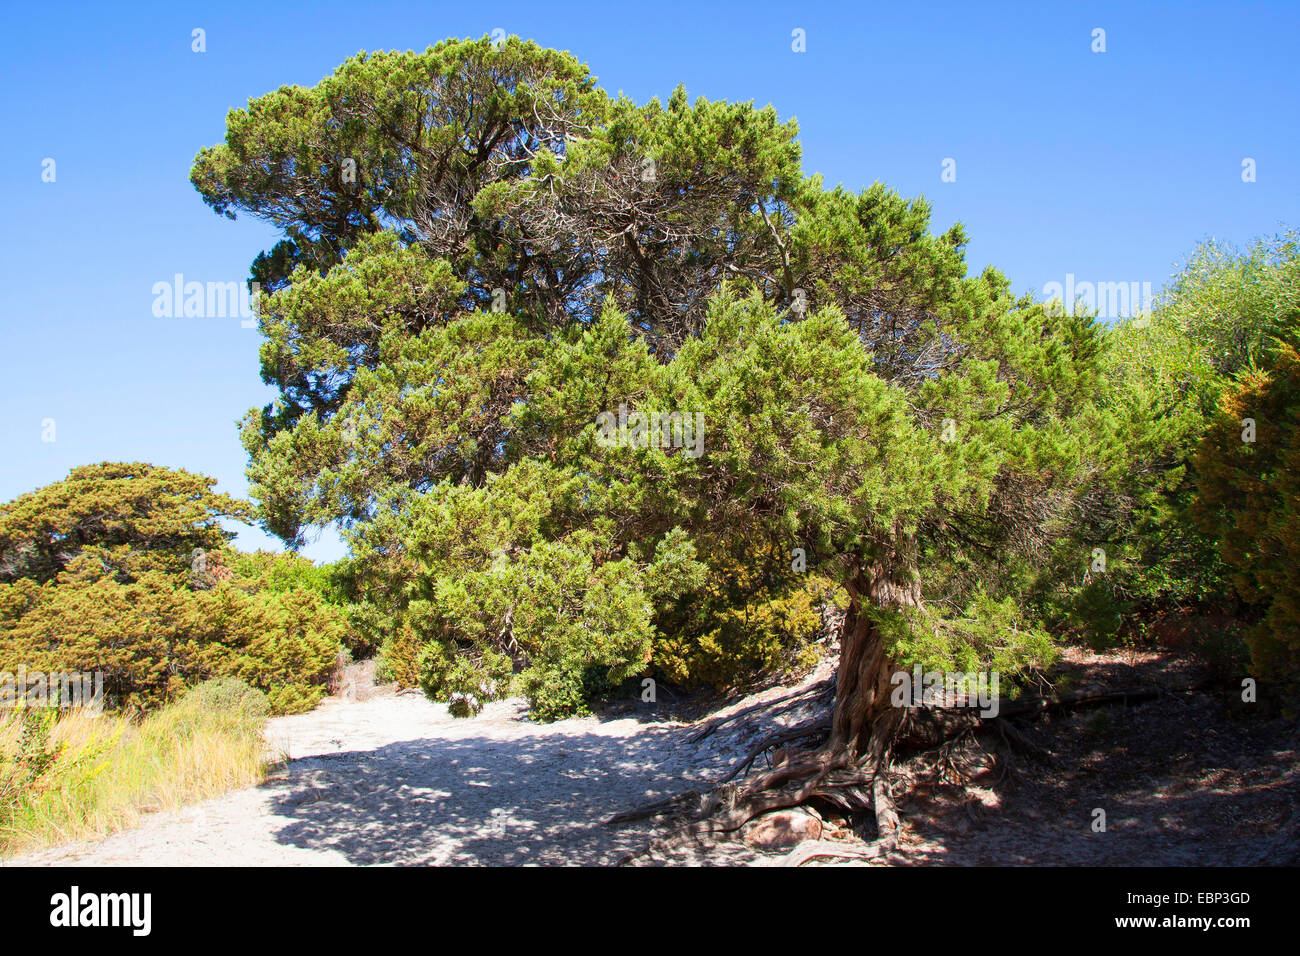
480,799
1178,783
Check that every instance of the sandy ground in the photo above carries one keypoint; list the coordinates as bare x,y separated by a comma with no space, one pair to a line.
396,780
1185,780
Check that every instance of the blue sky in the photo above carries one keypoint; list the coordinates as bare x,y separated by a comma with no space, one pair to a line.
1108,166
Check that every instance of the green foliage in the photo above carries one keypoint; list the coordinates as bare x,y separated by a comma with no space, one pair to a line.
231,696
987,635
1233,303
1249,499
554,693
522,570
465,683
285,644
73,774
129,517
282,572
522,258
1099,611
146,616
1160,392
1168,372
750,618
399,654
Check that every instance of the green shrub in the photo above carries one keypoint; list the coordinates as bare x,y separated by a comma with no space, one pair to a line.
1100,612
554,693
746,621
152,639
1223,650
399,657
231,696
466,684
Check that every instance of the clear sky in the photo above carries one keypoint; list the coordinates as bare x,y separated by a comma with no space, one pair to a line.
1106,166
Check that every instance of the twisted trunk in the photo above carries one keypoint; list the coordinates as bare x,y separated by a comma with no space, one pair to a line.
865,724
863,719
850,770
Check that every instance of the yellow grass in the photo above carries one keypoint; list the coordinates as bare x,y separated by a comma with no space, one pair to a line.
95,774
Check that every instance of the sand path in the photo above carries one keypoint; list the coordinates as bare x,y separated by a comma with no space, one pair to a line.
396,780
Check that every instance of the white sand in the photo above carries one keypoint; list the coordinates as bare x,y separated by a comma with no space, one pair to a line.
396,780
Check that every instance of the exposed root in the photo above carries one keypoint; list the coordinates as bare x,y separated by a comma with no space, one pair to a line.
1016,740
946,764
1085,699
813,728
888,829
826,849
932,727
830,775
678,803
730,807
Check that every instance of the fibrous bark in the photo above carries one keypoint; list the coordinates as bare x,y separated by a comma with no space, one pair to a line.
850,771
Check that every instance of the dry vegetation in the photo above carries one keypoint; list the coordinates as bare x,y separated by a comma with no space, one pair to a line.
80,775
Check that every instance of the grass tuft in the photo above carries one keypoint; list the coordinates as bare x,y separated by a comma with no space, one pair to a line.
76,775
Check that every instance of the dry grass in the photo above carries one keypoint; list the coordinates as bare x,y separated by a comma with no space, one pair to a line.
76,775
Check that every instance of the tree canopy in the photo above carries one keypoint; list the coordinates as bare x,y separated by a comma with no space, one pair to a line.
484,253
132,517
600,389
124,568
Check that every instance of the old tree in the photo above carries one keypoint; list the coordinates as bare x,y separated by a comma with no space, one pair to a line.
483,252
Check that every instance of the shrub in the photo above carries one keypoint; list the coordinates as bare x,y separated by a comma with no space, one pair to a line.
1248,494
1100,612
231,696
399,657
465,683
152,637
68,775
473,590
286,644
1168,375
747,620
563,609
285,572
554,693
125,569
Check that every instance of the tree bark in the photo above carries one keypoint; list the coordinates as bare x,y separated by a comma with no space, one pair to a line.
850,770
865,724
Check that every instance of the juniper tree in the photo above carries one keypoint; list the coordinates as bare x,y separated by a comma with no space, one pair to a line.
125,568
519,254
130,517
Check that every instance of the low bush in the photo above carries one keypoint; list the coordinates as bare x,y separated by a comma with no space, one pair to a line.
125,569
75,774
745,622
